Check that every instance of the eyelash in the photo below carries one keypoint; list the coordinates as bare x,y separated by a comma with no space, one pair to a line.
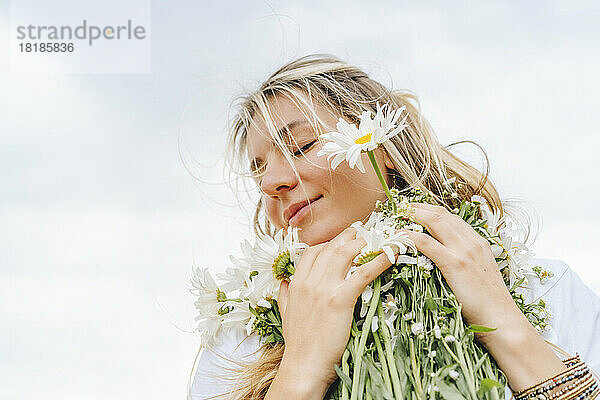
304,148
258,172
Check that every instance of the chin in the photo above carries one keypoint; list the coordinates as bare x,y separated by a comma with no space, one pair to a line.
313,235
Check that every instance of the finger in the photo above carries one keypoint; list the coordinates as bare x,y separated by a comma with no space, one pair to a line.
365,274
342,257
304,265
332,250
343,237
282,299
449,229
433,249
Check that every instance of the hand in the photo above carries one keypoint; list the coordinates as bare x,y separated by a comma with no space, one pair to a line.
317,306
465,259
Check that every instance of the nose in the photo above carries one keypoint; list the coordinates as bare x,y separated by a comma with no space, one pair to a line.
278,177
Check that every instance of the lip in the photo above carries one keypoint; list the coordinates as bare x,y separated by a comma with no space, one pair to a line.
295,211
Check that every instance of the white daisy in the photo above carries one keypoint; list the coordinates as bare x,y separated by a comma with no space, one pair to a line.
390,310
350,141
208,303
432,388
270,260
239,317
235,276
450,339
493,219
453,374
516,255
417,328
209,297
424,263
381,235
208,327
259,287
365,297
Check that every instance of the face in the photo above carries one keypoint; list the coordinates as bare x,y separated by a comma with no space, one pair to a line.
323,202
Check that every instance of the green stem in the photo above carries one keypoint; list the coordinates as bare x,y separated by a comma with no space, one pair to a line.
389,353
450,352
346,370
488,370
415,369
384,367
381,179
466,369
465,366
366,328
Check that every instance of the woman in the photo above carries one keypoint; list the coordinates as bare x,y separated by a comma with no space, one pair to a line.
277,129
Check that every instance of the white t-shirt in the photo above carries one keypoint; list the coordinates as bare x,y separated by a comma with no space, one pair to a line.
575,328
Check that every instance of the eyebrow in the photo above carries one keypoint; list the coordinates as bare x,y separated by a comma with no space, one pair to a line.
284,132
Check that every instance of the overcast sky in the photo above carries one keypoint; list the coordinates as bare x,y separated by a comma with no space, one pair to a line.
101,219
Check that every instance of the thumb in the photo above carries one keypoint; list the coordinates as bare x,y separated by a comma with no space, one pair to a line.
282,300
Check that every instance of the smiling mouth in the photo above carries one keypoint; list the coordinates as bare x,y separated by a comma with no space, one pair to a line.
302,212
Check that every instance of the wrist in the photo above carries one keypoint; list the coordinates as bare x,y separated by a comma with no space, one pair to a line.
297,381
511,334
521,353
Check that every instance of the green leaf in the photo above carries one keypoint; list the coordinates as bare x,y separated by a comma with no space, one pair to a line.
479,328
271,339
376,383
362,377
463,209
480,362
252,310
448,392
517,284
430,304
273,318
345,378
446,310
488,384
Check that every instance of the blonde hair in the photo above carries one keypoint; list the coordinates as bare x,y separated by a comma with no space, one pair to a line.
419,159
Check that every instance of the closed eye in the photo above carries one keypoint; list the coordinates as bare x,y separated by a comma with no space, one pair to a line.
304,148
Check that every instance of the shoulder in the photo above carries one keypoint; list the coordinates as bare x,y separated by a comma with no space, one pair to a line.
214,375
575,310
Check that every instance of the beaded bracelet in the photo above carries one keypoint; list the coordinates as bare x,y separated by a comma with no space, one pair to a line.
573,377
575,389
581,384
574,367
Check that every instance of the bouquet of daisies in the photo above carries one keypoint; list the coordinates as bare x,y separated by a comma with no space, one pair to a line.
408,339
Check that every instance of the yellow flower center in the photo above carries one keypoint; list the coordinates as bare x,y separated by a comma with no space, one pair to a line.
365,258
363,139
283,266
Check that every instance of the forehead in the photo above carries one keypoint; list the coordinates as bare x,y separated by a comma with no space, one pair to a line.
283,111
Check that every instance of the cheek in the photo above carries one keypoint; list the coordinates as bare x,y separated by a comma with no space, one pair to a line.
315,169
347,185
347,179
356,190
272,211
